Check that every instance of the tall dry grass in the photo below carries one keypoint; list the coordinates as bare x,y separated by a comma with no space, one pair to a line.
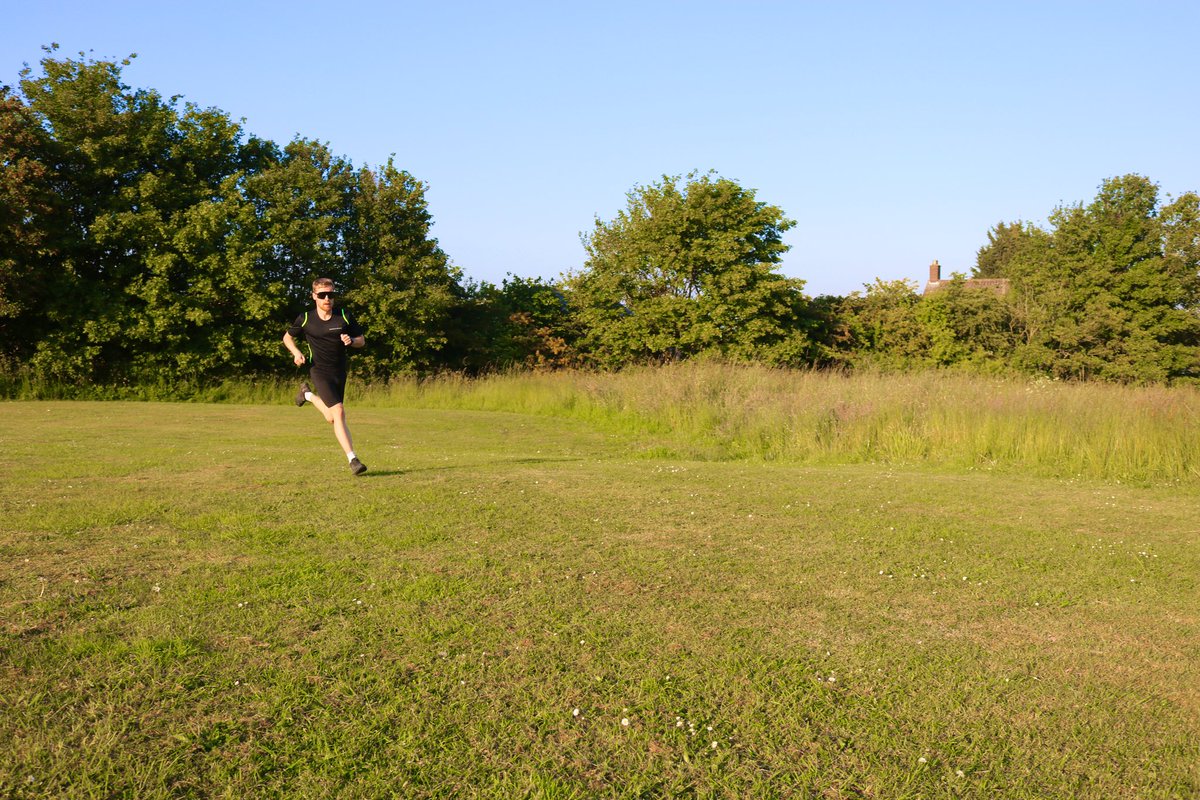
720,411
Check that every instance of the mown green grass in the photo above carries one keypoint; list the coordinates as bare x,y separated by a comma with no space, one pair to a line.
200,601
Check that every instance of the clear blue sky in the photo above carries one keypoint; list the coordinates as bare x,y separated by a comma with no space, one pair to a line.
894,133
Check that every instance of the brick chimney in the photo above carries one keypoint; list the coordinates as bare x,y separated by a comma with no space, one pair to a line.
935,272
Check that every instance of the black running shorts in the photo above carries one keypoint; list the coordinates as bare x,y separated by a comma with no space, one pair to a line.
330,388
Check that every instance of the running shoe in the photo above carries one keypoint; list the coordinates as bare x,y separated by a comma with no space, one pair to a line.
300,395
357,467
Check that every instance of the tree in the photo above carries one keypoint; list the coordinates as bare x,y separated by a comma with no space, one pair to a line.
882,326
689,267
967,326
158,244
103,145
153,249
26,205
1005,242
1110,292
400,279
541,329
1180,222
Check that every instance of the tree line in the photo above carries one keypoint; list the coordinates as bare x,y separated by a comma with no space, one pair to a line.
145,240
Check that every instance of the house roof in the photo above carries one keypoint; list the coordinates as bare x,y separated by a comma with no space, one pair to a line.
999,286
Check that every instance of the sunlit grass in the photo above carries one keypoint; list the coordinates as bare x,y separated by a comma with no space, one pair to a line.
199,600
716,411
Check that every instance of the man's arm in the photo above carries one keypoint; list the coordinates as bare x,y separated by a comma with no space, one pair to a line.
290,344
353,337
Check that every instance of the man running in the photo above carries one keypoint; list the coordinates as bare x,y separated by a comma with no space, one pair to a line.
328,333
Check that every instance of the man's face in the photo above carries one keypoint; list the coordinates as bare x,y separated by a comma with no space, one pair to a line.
324,295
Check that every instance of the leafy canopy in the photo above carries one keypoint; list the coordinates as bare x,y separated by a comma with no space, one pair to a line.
689,267
155,243
1111,291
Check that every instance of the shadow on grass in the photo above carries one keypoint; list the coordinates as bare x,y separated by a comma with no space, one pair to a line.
383,473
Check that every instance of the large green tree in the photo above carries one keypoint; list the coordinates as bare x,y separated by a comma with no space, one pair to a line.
401,281
690,266
1110,291
145,241
129,239
26,204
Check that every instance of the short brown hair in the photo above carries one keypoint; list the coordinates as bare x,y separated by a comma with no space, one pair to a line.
319,282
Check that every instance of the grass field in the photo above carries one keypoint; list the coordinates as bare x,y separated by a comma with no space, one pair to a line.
200,601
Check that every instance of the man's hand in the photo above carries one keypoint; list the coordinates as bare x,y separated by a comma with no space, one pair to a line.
290,344
346,340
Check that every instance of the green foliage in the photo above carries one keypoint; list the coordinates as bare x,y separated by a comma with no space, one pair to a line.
891,326
963,325
1005,243
26,201
1111,291
148,242
401,282
882,326
541,329
689,269
523,323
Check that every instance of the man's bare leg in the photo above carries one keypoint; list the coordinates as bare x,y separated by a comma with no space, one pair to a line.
335,416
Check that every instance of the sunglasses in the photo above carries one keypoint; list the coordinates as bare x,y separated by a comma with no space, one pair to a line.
326,295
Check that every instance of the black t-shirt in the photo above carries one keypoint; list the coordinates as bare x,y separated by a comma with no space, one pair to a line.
324,338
